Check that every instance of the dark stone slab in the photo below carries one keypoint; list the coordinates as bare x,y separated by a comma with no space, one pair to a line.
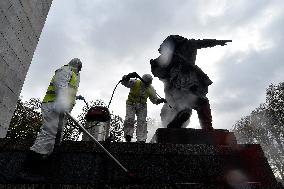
154,165
193,136
133,186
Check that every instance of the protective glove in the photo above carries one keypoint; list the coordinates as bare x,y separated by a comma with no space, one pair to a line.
161,100
129,76
125,78
80,97
133,75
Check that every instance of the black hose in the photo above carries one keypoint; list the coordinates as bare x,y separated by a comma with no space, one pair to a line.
107,106
113,93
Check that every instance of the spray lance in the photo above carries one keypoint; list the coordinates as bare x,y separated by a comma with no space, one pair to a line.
98,118
131,175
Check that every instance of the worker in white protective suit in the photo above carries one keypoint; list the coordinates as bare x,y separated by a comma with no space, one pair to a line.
59,98
136,104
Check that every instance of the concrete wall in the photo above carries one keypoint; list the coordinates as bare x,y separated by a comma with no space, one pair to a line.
21,23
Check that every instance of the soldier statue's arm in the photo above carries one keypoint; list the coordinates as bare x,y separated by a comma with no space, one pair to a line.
205,43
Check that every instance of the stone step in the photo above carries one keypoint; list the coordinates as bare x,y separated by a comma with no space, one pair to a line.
193,136
84,163
137,186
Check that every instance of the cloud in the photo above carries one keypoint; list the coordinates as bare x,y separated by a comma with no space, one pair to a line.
113,39
244,75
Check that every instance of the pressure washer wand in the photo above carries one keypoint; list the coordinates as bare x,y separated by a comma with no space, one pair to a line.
86,104
93,138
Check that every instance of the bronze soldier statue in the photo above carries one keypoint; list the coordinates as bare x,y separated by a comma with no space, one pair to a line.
185,84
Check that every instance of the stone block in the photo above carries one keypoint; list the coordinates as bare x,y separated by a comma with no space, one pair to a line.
193,136
3,45
46,6
15,44
10,99
35,23
29,32
5,117
15,23
4,24
3,129
21,22
36,6
10,58
85,163
4,4
12,18
23,47
39,6
25,23
26,43
2,92
132,186
22,73
3,69
26,29
13,81
5,112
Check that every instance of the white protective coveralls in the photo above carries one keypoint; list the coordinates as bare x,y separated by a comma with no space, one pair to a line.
138,108
64,102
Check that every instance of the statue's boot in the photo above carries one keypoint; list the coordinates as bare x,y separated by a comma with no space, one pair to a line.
204,114
178,121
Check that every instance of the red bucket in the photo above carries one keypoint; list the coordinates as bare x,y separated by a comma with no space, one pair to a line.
98,113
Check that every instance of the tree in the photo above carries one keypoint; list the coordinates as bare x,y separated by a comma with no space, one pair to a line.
26,121
265,126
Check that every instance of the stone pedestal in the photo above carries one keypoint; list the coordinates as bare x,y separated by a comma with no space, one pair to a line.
194,136
83,165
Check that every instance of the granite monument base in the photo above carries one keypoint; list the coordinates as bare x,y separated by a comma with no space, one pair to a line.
82,165
194,136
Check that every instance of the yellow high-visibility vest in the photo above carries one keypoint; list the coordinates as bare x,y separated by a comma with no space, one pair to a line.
134,97
50,94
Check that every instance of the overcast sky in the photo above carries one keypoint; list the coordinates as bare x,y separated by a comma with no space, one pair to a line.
113,38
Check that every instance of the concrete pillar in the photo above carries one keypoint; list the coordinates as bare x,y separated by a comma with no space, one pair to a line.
21,23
